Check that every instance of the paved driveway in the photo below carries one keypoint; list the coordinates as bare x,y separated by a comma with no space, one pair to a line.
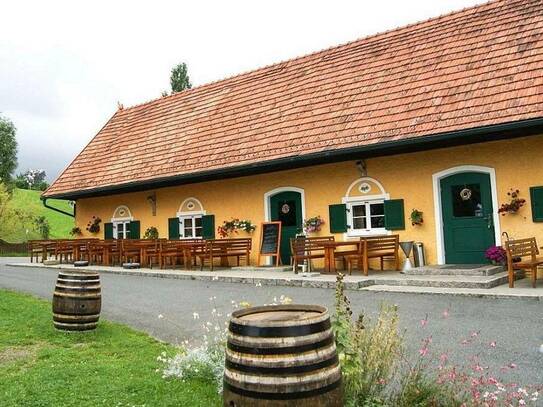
516,326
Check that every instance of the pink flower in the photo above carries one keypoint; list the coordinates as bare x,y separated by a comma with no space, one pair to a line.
512,365
474,334
424,322
493,344
445,313
423,351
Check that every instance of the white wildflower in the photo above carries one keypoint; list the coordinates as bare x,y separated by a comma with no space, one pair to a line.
160,316
195,315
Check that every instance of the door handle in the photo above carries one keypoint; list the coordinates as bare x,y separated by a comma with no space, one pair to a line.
489,221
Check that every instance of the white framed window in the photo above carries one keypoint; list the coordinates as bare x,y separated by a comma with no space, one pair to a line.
121,229
366,217
190,226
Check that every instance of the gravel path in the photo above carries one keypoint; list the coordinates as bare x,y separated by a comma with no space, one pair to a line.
516,326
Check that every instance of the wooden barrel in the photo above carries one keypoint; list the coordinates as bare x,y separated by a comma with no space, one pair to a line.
282,355
77,301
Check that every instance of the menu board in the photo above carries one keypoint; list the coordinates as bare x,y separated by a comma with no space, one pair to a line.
270,240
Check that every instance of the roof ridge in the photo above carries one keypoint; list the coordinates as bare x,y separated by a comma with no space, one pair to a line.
314,53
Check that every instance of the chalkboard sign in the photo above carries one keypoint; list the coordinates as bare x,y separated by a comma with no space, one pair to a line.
270,240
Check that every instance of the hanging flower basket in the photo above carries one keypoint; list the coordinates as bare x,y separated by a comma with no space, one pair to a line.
234,226
313,224
416,217
94,225
514,205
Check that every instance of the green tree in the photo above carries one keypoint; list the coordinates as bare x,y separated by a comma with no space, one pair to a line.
179,78
8,150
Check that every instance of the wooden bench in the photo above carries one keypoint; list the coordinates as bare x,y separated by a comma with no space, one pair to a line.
307,248
516,250
179,251
105,252
223,249
375,247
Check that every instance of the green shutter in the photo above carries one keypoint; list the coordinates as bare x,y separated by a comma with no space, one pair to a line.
134,228
173,228
394,214
338,218
108,231
536,198
208,226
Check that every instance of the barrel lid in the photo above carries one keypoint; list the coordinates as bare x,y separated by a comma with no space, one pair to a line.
280,315
82,273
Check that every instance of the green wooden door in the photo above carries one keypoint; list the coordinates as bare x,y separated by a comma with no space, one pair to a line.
468,229
287,208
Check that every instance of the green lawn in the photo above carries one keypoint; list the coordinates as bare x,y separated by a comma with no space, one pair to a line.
61,225
112,366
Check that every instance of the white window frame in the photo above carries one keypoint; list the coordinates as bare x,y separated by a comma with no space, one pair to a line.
367,201
189,215
115,228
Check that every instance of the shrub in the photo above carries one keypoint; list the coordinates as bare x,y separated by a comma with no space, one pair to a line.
368,352
42,226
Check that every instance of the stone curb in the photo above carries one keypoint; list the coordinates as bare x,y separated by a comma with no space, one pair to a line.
369,285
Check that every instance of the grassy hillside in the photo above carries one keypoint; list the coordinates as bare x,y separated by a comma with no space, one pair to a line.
30,202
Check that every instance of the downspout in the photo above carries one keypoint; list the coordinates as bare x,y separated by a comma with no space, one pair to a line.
44,202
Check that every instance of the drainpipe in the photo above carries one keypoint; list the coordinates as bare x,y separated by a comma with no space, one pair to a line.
44,202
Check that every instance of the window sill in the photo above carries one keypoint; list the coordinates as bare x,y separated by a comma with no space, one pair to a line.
363,233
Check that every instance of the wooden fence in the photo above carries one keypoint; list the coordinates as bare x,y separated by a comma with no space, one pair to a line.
12,248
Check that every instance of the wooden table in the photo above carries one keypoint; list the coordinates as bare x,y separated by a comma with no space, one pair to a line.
330,253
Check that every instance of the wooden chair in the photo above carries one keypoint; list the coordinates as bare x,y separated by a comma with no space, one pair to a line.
307,248
225,248
376,247
516,250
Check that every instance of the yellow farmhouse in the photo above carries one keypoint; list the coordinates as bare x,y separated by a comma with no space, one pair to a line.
424,131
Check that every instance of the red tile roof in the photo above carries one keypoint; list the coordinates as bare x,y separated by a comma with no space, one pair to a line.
476,67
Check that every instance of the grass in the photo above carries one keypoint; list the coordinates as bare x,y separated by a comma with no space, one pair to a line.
111,366
27,200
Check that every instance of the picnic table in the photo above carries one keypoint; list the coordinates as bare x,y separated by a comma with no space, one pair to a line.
331,254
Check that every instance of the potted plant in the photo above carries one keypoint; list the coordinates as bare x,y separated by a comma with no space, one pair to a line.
496,255
515,203
94,225
313,224
76,231
151,233
416,217
234,226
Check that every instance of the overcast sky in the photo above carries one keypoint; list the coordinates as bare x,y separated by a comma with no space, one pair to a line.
64,65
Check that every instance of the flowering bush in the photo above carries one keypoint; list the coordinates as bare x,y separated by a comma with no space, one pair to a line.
234,226
496,254
377,371
313,224
514,205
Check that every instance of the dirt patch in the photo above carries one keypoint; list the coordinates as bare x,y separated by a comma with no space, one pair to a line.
16,353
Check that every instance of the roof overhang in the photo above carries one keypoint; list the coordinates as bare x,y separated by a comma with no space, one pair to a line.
406,145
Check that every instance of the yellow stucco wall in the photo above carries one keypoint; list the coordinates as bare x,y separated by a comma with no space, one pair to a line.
517,164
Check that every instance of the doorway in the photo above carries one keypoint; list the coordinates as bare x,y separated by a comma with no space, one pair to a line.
468,216
286,206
